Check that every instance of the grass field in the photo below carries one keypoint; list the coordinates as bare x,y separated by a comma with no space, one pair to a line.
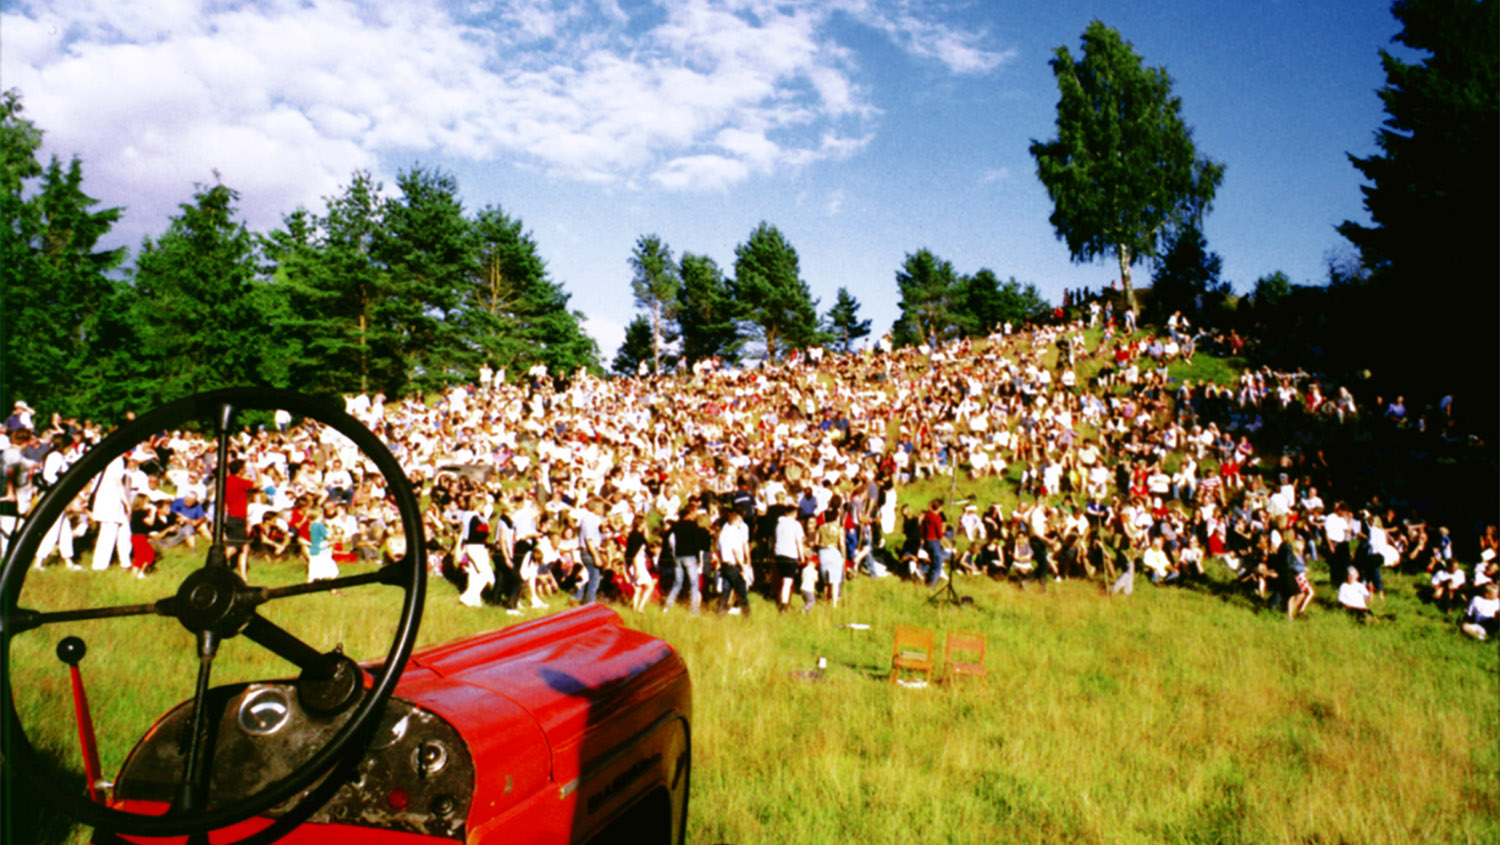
1174,715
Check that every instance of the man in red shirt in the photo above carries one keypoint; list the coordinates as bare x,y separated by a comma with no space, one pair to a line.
933,532
236,498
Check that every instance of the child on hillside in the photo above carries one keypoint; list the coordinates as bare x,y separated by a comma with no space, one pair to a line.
142,523
320,563
1480,619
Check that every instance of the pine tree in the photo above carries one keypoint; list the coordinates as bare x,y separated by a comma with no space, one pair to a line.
707,312
843,322
779,309
194,311
1186,271
337,329
928,288
430,250
522,316
636,348
656,285
55,283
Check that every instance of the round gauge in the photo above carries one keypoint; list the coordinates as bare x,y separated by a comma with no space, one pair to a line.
264,711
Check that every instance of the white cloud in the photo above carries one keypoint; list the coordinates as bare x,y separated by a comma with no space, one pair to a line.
835,202
994,174
701,172
957,48
287,97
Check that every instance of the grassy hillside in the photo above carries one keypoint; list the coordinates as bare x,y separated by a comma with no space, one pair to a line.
1172,715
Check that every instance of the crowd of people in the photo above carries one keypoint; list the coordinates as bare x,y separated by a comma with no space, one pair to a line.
1088,459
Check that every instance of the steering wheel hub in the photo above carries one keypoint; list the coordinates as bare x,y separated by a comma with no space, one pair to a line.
216,600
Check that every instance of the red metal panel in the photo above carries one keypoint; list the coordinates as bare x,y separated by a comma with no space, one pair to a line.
568,719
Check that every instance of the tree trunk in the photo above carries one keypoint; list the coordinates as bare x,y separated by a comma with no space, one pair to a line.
656,336
1124,253
364,354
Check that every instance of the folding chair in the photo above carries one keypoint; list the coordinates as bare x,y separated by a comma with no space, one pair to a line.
963,654
913,650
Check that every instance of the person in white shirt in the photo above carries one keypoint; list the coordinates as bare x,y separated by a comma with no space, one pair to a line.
1354,596
1157,563
1482,613
1448,585
734,563
60,535
590,540
1336,535
110,512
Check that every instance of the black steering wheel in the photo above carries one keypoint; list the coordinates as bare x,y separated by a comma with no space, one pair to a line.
215,604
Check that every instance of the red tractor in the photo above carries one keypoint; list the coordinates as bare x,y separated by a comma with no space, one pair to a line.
568,728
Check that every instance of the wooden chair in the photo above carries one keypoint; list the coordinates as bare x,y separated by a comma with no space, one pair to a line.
963,654
913,650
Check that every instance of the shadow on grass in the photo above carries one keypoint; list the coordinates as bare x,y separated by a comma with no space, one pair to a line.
28,816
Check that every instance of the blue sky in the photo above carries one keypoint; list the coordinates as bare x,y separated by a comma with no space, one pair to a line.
863,129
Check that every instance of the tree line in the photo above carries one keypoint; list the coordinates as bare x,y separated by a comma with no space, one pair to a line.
401,293
691,311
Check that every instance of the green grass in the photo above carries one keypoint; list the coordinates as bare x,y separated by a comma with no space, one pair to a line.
1175,715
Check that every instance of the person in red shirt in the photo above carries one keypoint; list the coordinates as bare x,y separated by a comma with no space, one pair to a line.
933,533
236,498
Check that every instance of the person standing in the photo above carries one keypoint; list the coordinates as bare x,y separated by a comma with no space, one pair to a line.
525,517
15,476
690,545
110,511
1295,566
734,562
933,533
236,512
830,558
590,539
473,541
638,560
789,552
60,536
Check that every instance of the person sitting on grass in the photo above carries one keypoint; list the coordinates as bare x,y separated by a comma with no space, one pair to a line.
1480,619
1022,559
991,557
1158,566
142,525
1486,571
1295,565
1069,560
192,519
1190,560
1354,596
1448,586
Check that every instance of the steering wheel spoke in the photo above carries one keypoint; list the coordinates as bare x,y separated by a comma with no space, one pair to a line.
22,619
221,475
192,793
393,574
285,645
